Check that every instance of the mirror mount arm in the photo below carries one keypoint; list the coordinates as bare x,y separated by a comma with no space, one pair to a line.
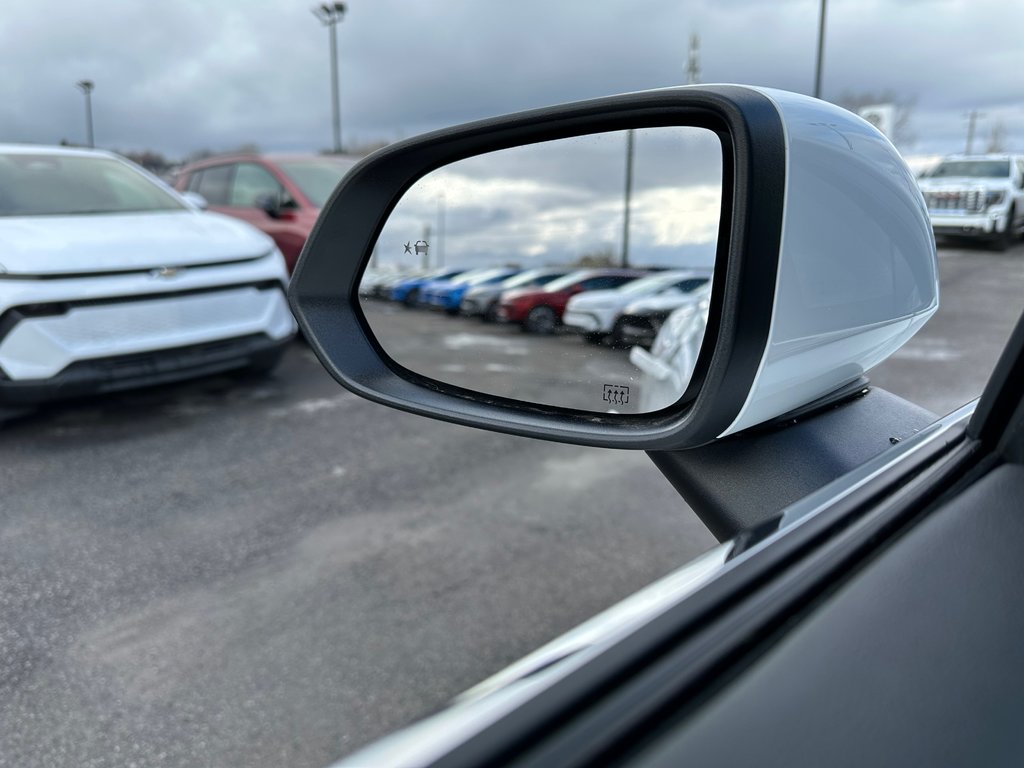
740,482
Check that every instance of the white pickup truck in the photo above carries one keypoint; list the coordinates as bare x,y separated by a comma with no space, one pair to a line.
977,196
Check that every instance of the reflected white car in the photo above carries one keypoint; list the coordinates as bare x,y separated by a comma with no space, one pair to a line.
109,279
667,368
596,314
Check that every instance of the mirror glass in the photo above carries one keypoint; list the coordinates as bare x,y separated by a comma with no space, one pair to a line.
572,273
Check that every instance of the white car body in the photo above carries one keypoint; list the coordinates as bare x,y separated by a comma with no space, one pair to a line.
595,312
973,205
667,368
96,302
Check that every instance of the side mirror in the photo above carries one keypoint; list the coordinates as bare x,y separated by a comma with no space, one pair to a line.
269,204
822,253
196,200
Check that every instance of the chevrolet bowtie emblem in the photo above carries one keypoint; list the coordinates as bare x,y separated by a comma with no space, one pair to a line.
164,272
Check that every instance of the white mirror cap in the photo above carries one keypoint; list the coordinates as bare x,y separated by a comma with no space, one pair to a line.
857,274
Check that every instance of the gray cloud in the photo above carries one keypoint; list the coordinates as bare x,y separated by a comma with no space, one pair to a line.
179,76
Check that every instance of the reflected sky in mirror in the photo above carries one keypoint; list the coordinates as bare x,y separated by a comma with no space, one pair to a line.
555,202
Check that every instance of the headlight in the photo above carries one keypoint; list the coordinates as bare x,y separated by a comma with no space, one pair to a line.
994,198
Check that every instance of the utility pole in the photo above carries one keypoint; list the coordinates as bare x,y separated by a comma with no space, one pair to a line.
86,87
440,229
330,15
627,196
972,119
821,51
693,61
426,247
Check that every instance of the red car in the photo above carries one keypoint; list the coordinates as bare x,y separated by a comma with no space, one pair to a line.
539,310
279,194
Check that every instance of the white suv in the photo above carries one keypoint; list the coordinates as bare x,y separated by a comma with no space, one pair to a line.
109,279
978,196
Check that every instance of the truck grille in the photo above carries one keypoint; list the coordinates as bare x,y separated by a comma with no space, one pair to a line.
970,201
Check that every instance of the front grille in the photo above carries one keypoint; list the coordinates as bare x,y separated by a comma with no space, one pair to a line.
968,201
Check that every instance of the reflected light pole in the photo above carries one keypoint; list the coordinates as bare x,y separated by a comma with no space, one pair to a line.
330,15
626,197
440,230
86,87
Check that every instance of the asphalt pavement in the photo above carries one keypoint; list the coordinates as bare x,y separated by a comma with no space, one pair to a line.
274,572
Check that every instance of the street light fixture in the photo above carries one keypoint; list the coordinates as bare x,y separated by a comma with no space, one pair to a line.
86,87
330,14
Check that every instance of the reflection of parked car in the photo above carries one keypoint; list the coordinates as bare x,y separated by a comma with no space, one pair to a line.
379,286
669,364
978,196
597,314
279,194
447,294
408,290
641,320
483,300
539,310
111,280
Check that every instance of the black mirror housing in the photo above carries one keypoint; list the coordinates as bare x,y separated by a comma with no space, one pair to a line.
767,297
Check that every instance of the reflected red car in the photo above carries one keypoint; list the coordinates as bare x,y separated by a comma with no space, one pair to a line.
539,310
279,194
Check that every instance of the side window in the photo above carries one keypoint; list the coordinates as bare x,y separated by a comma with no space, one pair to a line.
252,181
690,285
193,181
213,184
611,281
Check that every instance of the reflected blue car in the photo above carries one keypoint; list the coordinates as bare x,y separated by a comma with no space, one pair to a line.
447,294
409,291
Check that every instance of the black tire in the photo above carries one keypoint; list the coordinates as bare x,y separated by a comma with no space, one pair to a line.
412,298
618,334
542,320
451,312
593,338
1004,239
11,413
490,314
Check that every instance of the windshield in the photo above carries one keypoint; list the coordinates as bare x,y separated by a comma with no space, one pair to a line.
211,553
975,169
316,178
484,277
568,280
56,184
650,284
534,276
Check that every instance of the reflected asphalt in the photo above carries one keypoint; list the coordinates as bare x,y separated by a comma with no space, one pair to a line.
274,572
499,359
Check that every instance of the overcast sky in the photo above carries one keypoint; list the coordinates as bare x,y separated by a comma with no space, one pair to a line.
181,75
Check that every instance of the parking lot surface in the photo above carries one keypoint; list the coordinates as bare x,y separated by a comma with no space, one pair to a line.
274,572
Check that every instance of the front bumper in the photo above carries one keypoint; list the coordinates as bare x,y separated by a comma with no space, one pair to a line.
582,321
39,341
102,376
977,225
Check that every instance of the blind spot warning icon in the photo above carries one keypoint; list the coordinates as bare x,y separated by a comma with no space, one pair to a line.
421,247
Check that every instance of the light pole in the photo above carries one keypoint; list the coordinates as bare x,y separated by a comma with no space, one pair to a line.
330,15
821,51
86,87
